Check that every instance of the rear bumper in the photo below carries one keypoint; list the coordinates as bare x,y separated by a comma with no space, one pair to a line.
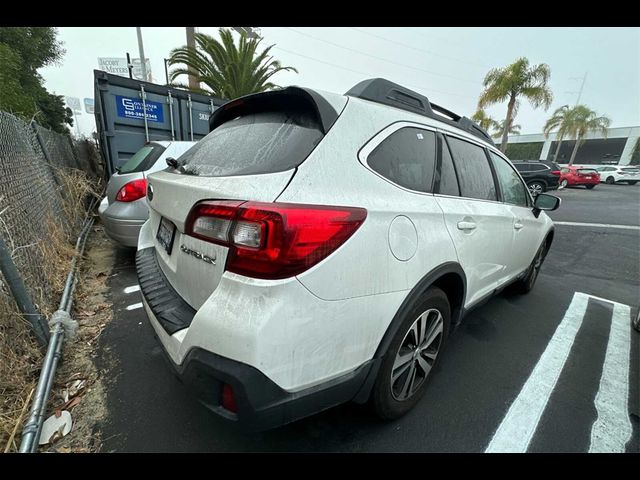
261,403
186,336
123,230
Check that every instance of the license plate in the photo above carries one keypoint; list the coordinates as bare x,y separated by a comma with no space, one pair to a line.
166,234
588,178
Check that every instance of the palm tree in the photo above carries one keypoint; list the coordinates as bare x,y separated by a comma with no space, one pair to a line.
512,82
557,120
484,120
513,129
226,69
582,120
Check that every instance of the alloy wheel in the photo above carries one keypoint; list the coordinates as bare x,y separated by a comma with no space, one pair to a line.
535,189
417,354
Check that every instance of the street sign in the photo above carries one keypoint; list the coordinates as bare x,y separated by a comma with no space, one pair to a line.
74,104
88,106
118,66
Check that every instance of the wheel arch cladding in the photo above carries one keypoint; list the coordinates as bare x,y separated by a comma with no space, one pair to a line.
448,277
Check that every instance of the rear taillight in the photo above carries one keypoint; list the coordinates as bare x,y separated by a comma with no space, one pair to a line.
132,191
273,240
555,172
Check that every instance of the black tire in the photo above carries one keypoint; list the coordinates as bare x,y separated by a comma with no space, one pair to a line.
384,396
526,284
536,188
589,187
610,181
632,182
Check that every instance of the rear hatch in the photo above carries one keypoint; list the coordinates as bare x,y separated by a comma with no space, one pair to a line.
134,169
251,154
589,174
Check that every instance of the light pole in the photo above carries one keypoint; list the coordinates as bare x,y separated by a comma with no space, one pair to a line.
143,63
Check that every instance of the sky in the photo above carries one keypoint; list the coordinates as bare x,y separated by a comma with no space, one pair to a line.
445,64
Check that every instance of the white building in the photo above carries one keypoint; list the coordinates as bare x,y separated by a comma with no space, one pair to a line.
616,148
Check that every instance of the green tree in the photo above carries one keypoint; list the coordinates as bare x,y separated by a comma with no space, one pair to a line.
484,120
24,50
513,82
581,120
558,120
226,69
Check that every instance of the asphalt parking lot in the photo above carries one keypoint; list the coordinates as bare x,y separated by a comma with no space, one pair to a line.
553,371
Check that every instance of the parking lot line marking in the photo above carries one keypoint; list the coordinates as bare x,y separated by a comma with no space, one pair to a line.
612,429
132,288
134,306
598,225
519,424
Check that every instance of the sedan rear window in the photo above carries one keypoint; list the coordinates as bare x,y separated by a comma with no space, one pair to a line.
143,159
261,142
631,169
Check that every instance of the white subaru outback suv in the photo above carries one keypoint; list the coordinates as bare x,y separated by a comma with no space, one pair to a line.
315,249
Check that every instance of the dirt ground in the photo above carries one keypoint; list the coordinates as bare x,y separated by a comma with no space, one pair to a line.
79,386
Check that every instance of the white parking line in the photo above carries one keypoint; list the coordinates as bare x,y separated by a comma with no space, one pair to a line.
612,429
518,426
598,225
134,306
132,288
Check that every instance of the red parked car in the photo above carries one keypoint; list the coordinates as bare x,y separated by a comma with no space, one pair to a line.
571,176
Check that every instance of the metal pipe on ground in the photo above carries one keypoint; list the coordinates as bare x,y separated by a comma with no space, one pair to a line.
62,324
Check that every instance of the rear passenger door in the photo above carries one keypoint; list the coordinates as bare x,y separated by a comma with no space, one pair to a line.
480,226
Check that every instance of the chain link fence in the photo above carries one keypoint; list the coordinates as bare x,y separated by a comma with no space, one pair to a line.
37,170
46,183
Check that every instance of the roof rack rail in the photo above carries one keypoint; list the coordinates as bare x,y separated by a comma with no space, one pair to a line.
380,90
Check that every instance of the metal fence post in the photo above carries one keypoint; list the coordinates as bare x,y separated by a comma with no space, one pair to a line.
34,126
21,296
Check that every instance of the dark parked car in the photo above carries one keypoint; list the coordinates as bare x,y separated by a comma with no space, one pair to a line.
540,175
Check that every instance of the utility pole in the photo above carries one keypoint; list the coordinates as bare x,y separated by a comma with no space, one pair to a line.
584,79
191,42
143,63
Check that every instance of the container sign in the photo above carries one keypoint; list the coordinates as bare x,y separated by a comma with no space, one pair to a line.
132,108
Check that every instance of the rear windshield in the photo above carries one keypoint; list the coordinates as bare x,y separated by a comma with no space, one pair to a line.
631,169
143,159
587,170
261,142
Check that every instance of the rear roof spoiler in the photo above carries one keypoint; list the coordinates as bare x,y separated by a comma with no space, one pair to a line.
383,91
276,99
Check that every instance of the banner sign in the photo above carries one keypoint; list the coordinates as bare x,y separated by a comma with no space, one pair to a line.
132,108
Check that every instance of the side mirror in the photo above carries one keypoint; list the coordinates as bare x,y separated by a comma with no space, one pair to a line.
544,201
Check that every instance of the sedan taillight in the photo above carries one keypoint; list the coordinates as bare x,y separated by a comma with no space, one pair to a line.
133,190
273,240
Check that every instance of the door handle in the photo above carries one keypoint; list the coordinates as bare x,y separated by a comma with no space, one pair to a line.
466,225
518,225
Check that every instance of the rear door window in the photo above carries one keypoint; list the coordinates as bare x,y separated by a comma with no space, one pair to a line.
257,143
474,172
407,158
143,159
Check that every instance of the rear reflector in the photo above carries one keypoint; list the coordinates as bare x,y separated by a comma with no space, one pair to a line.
229,399
133,190
273,240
